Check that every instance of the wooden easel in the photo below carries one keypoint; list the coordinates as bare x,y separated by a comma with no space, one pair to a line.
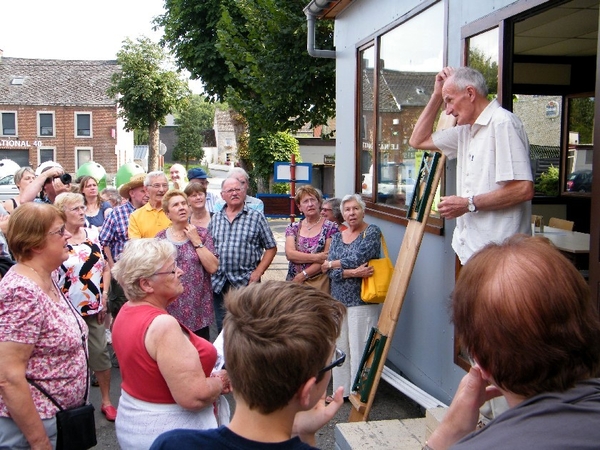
380,338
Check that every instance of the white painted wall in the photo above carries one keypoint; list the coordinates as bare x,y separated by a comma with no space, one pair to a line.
423,343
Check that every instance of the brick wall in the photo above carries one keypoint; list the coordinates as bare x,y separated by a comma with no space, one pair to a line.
102,143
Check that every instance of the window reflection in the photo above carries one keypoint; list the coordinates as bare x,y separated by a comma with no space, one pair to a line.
483,56
410,56
580,145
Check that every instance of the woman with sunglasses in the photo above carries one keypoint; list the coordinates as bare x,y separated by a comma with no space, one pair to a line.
167,371
84,278
42,338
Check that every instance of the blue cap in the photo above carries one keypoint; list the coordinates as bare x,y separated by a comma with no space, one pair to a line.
198,173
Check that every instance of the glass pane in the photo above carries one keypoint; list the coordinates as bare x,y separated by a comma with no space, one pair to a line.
581,140
83,156
541,116
410,57
83,124
483,56
46,125
46,154
9,127
366,118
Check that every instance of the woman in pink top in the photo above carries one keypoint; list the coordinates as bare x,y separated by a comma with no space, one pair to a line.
42,337
167,371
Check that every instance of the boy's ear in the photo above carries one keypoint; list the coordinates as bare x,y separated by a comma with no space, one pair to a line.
305,393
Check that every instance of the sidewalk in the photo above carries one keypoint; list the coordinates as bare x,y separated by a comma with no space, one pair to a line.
279,267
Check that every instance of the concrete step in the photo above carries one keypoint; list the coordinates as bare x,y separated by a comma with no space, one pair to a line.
407,434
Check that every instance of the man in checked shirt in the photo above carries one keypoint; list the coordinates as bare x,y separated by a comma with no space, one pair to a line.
244,242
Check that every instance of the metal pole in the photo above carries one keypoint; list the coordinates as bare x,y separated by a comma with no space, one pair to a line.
292,188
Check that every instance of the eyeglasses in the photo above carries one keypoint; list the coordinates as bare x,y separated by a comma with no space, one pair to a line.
78,208
309,201
158,186
60,231
232,191
170,272
338,359
326,209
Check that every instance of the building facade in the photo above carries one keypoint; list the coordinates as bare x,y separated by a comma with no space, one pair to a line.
59,110
542,53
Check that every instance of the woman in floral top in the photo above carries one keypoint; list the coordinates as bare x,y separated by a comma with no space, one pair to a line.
307,241
84,278
42,337
197,258
349,254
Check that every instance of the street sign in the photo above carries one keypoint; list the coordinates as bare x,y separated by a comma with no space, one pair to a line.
283,172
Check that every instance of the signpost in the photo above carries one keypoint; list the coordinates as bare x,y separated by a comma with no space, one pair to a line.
292,173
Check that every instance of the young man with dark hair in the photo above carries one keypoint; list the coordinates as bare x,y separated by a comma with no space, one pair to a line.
279,351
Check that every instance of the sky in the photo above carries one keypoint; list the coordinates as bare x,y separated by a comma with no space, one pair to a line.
75,29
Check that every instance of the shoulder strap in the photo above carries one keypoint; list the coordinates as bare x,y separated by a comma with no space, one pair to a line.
45,392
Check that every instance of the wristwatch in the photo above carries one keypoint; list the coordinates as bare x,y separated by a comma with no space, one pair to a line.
471,205
200,245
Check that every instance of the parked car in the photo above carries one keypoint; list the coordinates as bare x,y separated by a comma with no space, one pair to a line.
8,189
580,181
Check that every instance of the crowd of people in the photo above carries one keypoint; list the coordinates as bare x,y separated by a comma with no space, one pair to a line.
159,261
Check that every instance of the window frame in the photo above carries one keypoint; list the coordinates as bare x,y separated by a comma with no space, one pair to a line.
78,164
394,214
16,133
39,124
45,148
78,114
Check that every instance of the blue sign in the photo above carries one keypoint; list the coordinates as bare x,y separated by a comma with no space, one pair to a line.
283,172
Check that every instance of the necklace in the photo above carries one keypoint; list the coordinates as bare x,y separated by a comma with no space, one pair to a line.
51,289
308,228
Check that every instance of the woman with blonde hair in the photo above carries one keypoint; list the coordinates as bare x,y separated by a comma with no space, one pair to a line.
23,178
167,371
84,279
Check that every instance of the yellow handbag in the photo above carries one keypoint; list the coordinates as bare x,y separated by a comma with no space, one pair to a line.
374,288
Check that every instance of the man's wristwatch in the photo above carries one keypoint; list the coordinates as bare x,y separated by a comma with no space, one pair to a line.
200,245
471,205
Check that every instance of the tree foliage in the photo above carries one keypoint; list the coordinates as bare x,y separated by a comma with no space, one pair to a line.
195,116
253,54
581,118
269,148
487,67
146,90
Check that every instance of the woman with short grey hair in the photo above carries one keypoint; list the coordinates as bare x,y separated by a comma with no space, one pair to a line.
167,372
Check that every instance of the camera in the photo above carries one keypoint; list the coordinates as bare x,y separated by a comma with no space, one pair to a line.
65,178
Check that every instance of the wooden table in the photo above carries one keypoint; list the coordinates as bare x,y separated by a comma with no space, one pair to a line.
567,241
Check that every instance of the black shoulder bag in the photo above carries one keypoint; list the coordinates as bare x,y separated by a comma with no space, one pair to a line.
75,427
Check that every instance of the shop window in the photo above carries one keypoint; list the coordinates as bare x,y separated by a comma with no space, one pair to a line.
580,146
8,123
397,74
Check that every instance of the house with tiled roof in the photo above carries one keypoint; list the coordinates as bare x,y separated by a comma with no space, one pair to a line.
59,110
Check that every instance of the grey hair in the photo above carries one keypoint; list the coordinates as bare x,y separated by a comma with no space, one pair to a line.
141,258
467,76
21,172
236,172
354,197
150,177
68,198
335,208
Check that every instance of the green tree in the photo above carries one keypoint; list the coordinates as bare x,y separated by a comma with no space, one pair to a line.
195,116
269,148
487,67
146,90
279,86
581,118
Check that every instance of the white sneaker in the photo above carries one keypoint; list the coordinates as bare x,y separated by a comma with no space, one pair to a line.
108,336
